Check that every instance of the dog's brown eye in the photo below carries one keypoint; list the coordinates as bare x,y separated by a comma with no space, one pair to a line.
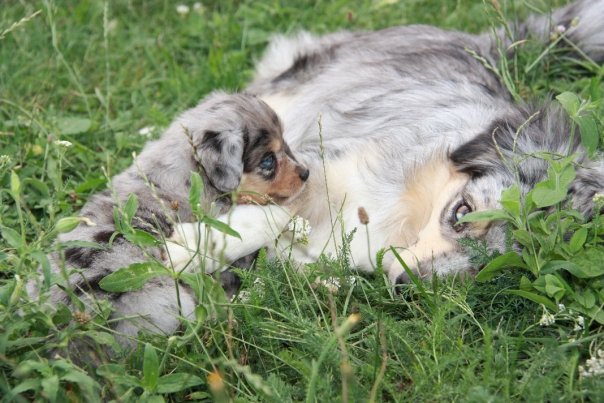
268,162
460,210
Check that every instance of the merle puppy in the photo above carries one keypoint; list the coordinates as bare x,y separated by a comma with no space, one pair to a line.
235,143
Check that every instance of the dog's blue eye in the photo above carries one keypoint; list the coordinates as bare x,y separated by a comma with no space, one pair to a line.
267,162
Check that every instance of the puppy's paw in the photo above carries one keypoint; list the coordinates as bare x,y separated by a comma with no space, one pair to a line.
183,247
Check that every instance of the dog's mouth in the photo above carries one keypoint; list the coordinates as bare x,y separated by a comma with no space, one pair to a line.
251,197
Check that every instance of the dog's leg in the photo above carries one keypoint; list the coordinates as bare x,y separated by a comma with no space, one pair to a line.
195,244
154,308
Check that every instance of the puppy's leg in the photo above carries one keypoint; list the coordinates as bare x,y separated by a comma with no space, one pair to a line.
194,244
153,308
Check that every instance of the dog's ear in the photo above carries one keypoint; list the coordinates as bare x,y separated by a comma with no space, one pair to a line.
484,152
220,153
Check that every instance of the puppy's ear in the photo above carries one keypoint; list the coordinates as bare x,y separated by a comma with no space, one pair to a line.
221,156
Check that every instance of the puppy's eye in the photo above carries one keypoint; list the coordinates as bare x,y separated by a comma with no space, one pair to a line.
460,210
268,162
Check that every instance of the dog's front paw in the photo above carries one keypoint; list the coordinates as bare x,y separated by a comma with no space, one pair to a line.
182,248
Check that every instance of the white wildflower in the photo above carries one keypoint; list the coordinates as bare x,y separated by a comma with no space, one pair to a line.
198,7
63,143
561,307
598,199
245,296
579,323
4,160
547,319
146,131
594,366
560,29
331,284
182,9
300,228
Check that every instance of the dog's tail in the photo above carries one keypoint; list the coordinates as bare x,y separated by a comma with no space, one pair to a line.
580,23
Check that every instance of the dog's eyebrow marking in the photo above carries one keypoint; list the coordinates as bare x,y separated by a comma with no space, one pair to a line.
261,140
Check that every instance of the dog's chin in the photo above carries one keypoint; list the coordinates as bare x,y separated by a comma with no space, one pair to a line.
249,197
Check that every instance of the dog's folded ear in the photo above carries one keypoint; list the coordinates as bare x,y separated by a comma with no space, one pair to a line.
220,153
512,147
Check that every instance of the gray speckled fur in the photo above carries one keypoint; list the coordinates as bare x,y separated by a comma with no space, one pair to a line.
160,179
389,101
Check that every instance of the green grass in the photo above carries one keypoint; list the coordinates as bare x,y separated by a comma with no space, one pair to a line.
94,73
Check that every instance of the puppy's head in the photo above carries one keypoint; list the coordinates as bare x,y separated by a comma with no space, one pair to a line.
472,178
241,147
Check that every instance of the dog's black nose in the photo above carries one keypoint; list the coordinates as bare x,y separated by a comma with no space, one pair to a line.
304,175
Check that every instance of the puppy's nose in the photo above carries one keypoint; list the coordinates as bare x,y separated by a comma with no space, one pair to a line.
304,174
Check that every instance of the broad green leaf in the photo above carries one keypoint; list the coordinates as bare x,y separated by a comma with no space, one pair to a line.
554,287
547,194
540,299
220,226
89,184
578,240
50,386
12,237
196,195
570,102
73,125
588,264
555,265
130,207
62,315
28,384
586,298
150,368
132,277
510,200
177,382
117,373
486,215
103,338
566,176
525,284
523,237
555,188
589,132
141,238
505,261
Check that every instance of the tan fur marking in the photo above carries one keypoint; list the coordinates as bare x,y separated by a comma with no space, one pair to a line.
284,185
421,206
